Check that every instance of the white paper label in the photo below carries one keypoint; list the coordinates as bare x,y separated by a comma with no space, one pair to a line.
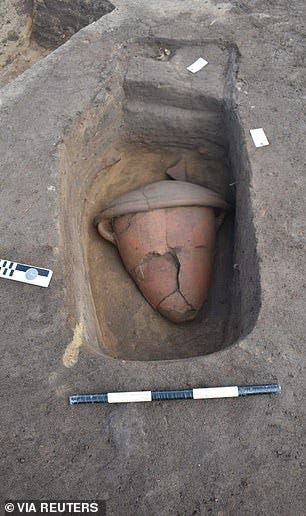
197,65
259,137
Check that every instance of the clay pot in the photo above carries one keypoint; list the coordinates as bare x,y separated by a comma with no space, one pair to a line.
165,233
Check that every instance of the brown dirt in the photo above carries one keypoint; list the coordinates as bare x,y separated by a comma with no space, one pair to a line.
122,312
24,58
239,457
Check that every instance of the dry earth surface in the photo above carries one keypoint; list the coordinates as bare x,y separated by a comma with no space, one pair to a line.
225,458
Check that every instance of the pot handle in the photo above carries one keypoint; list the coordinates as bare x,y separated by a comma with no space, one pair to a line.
105,230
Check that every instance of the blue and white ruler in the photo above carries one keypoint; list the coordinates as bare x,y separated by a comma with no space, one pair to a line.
25,273
181,394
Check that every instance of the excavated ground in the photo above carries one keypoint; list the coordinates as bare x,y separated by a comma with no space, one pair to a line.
31,29
60,123
131,328
157,117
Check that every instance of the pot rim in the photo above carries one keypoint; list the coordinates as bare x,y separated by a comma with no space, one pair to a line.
161,194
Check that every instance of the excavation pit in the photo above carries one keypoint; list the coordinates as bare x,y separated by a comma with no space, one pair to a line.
152,115
31,29
55,21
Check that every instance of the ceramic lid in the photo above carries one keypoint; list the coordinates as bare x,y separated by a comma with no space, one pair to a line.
162,194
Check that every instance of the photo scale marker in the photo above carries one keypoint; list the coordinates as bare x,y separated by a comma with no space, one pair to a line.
25,273
180,394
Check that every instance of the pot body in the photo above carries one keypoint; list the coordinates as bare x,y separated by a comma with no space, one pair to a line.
169,253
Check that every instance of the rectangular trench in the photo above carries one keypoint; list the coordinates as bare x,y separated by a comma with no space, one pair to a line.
160,115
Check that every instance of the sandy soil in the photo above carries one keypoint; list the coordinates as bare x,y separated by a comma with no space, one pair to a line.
240,457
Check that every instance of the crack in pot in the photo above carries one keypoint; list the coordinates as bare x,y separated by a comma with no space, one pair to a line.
170,255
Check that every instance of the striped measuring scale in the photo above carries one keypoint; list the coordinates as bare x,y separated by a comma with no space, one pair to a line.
179,394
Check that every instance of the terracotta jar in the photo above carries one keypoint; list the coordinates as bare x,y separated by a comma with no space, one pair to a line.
165,233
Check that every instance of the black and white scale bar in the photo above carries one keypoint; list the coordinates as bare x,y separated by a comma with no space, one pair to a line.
185,394
25,273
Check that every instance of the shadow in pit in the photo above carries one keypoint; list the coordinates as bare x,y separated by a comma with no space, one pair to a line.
41,27
55,21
